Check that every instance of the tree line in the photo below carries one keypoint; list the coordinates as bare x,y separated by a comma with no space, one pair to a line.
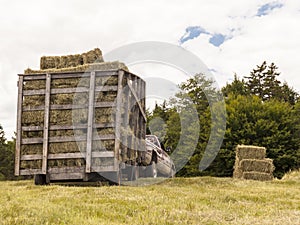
260,110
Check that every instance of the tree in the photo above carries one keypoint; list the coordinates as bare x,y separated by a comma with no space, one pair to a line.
6,157
263,82
236,87
253,122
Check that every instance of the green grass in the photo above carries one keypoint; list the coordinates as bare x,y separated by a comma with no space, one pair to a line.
201,200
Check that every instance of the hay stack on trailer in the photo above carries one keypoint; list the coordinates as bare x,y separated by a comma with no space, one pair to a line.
250,163
70,120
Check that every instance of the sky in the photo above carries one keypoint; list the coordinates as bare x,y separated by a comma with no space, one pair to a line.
230,37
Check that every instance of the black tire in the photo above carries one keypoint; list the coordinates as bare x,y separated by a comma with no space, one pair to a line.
39,179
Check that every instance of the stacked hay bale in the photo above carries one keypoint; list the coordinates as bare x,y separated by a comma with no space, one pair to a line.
250,163
89,61
58,62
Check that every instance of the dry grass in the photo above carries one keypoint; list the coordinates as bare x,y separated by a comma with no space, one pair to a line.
202,200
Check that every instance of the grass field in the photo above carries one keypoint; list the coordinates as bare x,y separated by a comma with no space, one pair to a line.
201,200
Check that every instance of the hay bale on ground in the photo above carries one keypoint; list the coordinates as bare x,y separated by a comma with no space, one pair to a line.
250,152
256,165
257,176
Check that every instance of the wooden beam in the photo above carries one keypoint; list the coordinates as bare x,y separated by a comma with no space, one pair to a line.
137,101
118,115
19,126
46,124
69,90
68,139
90,123
66,127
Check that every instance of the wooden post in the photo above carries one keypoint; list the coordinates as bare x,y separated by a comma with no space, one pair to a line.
19,127
118,116
89,142
46,124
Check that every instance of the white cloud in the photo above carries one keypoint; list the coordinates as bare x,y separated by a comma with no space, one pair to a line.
30,29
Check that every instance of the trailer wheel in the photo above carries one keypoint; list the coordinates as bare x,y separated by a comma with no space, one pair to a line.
39,179
152,170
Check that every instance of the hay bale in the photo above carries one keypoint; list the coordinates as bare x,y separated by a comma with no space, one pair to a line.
257,176
81,68
105,145
67,147
59,62
250,152
257,165
238,172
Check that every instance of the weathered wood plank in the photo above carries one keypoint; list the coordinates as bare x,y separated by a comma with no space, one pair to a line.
30,172
66,127
96,137
104,168
90,123
118,115
69,90
137,101
78,155
19,126
46,124
66,176
71,106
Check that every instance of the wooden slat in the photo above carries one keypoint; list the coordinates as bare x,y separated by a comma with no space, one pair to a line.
90,123
104,168
42,76
67,139
78,155
66,107
66,127
30,171
118,115
46,124
69,90
19,126
126,121
137,101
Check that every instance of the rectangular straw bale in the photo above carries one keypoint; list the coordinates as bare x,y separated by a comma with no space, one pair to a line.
82,68
238,172
106,80
69,99
105,96
257,176
102,162
32,149
31,164
70,82
67,147
34,84
250,152
257,165
104,145
33,118
34,100
68,117
58,163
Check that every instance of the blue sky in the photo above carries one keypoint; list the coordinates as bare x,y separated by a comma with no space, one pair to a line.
228,36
